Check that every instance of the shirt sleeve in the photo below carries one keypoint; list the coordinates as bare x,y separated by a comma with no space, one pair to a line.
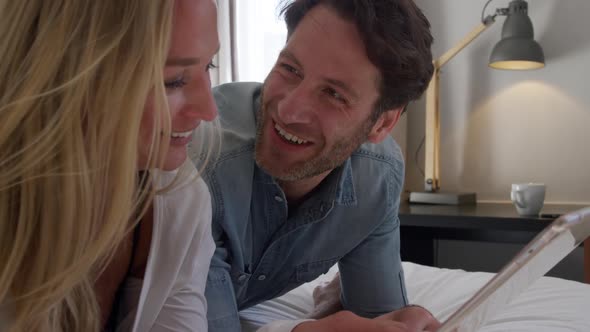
372,276
186,306
222,313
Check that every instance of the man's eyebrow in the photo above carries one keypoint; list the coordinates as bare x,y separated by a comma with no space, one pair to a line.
355,96
290,56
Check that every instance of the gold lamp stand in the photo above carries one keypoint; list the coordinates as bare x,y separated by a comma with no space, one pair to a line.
432,195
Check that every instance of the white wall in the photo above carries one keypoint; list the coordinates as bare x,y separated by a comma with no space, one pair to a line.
500,127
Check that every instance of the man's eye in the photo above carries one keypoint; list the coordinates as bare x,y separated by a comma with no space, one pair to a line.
290,69
336,95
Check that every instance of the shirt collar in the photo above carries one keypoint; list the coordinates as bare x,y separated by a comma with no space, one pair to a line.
337,187
345,194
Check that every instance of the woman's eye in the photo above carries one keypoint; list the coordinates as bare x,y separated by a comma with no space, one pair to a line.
211,65
177,83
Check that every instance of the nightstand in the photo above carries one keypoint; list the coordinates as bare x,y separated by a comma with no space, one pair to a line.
423,225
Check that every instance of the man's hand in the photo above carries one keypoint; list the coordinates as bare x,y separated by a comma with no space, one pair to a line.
415,318
346,321
407,319
326,298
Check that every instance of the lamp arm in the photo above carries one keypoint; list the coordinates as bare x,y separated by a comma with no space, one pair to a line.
448,55
432,130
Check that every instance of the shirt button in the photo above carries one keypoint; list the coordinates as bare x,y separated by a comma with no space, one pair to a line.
278,198
261,277
242,277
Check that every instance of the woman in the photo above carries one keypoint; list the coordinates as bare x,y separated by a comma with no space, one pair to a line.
91,93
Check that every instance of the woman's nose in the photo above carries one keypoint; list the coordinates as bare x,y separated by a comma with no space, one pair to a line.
209,107
201,101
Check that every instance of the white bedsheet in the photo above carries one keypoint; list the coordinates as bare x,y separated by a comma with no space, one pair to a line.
549,305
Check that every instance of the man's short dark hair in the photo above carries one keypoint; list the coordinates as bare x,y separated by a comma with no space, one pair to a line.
397,40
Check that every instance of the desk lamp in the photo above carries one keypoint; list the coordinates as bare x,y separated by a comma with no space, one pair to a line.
517,50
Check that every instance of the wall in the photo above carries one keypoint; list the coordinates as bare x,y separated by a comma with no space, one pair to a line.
500,127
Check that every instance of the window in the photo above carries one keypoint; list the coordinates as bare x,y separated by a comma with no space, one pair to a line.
260,35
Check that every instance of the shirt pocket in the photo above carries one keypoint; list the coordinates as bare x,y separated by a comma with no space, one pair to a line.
307,272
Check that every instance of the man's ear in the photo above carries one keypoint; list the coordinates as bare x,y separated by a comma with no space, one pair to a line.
384,124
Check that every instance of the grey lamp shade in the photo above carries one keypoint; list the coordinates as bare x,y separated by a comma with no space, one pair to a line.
517,49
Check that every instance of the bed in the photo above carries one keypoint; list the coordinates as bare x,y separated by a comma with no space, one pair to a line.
549,305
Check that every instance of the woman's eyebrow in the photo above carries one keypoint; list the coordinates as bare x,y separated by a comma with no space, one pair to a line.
182,62
185,62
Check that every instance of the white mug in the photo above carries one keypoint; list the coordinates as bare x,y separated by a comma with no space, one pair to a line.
528,198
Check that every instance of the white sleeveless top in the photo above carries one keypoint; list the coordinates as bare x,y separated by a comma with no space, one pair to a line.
171,297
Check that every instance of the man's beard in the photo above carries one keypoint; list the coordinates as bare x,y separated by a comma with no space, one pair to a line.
326,161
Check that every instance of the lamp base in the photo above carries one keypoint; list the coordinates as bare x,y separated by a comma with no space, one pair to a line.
442,198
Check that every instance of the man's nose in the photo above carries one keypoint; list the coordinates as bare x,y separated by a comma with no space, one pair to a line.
297,106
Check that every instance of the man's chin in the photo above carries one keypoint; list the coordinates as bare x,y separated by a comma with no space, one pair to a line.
269,167
291,174
266,165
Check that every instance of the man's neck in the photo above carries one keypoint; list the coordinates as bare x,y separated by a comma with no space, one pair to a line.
296,191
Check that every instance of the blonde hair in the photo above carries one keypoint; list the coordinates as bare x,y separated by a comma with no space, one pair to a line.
75,75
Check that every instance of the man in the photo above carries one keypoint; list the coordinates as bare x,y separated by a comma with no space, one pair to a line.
296,189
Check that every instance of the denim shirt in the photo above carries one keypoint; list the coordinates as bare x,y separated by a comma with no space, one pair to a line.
264,250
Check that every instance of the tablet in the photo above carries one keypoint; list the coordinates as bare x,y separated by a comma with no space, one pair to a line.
538,257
